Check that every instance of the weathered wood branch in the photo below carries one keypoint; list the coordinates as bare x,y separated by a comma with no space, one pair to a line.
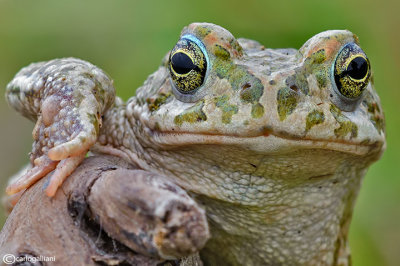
108,213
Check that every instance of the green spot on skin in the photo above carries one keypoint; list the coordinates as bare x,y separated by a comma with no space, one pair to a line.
235,45
312,65
221,52
378,123
157,127
318,57
202,31
287,102
98,90
346,126
94,121
160,100
251,88
228,110
257,110
315,117
252,91
374,112
321,77
298,81
191,115
223,69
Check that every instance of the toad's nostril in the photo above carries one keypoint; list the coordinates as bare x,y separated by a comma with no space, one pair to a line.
246,86
294,88
246,92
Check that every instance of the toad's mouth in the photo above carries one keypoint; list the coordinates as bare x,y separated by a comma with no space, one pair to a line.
268,144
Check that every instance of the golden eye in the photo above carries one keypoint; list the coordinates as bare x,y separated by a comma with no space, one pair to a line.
188,65
351,71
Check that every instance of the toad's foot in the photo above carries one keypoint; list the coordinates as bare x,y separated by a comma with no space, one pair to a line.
62,169
63,135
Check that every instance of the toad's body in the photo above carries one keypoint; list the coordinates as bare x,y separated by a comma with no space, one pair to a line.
273,143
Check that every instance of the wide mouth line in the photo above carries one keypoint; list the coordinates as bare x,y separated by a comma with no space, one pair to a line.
211,136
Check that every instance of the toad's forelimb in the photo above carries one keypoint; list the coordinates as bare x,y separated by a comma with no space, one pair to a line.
67,98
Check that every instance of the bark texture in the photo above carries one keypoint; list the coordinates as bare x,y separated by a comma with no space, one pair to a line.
107,213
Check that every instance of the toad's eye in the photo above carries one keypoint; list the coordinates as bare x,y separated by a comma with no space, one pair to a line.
351,71
182,64
188,65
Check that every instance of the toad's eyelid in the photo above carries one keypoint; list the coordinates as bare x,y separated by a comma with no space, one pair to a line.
334,63
199,44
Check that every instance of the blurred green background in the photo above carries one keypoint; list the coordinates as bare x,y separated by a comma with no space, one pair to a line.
128,39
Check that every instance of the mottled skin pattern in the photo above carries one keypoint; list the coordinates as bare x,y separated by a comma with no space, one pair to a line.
268,145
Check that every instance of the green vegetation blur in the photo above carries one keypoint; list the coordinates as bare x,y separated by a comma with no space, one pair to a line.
128,39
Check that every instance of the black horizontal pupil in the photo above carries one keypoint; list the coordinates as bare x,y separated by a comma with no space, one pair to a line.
358,68
182,63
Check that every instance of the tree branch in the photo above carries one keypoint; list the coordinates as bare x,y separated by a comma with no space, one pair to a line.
110,213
